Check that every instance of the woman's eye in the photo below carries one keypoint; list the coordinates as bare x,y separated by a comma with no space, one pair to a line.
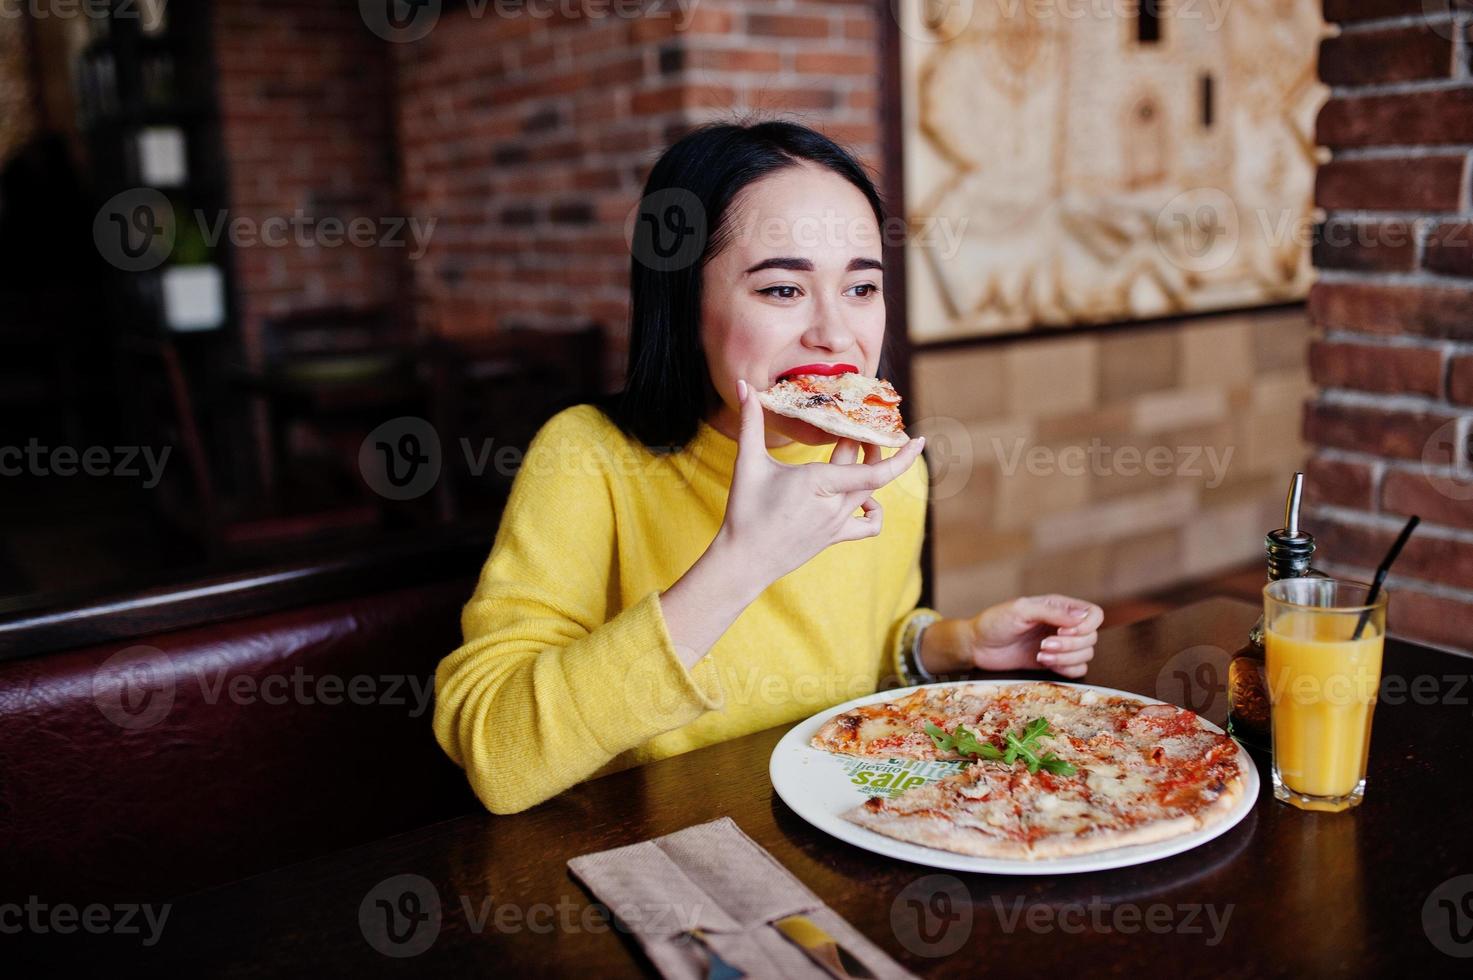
869,289
781,292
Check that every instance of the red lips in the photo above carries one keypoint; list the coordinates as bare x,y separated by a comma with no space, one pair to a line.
829,369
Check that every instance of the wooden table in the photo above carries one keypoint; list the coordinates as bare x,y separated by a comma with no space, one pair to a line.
1283,893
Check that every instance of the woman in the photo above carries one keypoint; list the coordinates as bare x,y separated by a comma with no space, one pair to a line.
676,567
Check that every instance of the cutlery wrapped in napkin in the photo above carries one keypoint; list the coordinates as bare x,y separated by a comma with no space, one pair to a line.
707,901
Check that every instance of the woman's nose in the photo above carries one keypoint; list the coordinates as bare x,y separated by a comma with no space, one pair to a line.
829,331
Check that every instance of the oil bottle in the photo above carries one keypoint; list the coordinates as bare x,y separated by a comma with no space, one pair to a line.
1289,550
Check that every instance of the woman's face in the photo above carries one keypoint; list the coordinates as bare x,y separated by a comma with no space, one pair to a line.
797,284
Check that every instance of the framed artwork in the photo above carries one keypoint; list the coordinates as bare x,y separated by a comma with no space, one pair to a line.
1084,161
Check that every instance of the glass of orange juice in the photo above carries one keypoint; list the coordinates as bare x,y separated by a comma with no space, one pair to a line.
1322,684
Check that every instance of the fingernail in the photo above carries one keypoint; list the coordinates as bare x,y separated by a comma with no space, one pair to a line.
1081,613
922,441
1046,658
741,390
1050,644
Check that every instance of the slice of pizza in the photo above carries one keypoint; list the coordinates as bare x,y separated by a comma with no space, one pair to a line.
854,406
973,812
898,729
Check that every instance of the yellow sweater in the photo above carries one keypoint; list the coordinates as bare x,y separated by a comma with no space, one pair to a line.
567,669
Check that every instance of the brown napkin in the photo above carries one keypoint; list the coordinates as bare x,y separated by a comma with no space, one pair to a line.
715,878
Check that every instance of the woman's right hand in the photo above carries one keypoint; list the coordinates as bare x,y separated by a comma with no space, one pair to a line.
777,517
780,515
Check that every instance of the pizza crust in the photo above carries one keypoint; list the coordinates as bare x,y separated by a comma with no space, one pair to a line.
939,833
833,423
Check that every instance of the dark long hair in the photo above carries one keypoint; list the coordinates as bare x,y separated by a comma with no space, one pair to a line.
680,225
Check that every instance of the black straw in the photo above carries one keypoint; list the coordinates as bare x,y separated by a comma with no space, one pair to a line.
1396,546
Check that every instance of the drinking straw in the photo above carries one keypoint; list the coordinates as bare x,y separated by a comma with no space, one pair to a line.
1396,546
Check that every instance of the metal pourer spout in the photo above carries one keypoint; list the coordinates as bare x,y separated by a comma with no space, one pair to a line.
1291,505
1290,549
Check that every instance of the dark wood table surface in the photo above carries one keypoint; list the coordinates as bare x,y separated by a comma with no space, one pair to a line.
1288,893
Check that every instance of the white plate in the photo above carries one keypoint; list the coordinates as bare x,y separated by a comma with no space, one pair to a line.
819,786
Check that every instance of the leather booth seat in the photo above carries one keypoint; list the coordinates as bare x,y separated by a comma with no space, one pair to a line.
141,769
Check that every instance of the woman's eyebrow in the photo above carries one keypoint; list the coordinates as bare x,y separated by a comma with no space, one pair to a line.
803,265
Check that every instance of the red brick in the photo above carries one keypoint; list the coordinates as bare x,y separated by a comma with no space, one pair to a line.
734,59
1460,380
860,28
706,19
851,134
1393,370
1449,249
1340,11
1425,618
1413,118
1443,560
1413,310
783,25
1395,55
792,99
1410,184
1378,246
1339,483
681,97
1435,498
1381,431
1342,543
834,63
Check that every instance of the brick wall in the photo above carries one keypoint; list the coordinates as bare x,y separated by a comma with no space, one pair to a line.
1110,464
527,140
306,122
1393,310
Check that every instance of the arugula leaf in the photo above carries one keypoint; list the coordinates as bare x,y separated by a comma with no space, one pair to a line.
942,741
965,742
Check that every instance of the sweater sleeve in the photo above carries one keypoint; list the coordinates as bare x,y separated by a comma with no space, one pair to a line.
547,686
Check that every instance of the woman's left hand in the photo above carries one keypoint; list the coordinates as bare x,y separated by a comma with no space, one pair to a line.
1053,631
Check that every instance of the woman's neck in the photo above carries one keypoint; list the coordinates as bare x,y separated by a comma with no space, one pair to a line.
728,423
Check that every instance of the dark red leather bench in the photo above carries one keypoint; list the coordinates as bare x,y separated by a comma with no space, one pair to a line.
141,768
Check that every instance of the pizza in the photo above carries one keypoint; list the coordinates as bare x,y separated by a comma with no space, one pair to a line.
855,406
1053,770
